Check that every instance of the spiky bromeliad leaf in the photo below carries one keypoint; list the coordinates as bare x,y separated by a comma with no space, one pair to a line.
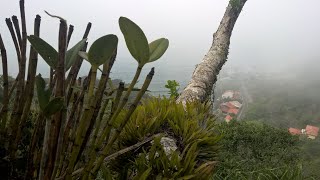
102,49
136,40
72,53
42,93
46,51
145,174
53,106
158,48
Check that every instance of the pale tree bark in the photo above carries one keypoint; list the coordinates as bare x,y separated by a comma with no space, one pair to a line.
205,74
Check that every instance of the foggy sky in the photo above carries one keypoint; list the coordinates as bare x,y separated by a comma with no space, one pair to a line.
269,34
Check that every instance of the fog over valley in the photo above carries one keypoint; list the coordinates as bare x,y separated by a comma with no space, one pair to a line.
167,89
270,36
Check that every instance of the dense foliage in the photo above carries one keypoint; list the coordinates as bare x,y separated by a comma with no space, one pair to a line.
252,150
186,146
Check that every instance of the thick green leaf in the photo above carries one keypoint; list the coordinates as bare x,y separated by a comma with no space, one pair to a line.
53,106
47,52
84,55
145,174
158,48
42,93
136,40
72,54
102,49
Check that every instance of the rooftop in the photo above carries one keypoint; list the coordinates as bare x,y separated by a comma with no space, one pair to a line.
228,118
312,130
294,131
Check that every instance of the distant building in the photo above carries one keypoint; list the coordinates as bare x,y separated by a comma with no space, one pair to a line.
311,131
231,107
233,111
227,94
237,104
228,118
294,131
228,105
224,109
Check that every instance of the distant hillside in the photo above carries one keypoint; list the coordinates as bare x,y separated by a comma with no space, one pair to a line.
284,100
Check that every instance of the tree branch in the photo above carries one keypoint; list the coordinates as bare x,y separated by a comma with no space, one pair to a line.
205,74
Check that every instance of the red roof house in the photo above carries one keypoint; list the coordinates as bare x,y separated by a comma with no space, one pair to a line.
228,105
312,131
294,131
224,109
228,118
233,111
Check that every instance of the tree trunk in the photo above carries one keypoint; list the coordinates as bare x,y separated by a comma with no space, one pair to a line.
205,74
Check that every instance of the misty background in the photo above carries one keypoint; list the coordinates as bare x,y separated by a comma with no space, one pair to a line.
271,37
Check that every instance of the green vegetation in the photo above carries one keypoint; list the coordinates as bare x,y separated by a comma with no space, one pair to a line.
289,105
284,102
173,87
253,150
189,147
74,125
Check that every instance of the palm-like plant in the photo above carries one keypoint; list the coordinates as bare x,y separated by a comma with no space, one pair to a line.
185,146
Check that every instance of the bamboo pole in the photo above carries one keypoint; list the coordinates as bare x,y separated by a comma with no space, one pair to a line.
15,22
11,90
74,125
106,133
59,118
86,117
51,78
32,149
73,73
14,38
29,89
66,134
93,166
93,148
118,96
45,149
98,99
22,67
70,31
5,84
20,95
19,99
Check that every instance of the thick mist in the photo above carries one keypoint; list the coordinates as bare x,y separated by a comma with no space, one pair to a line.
277,37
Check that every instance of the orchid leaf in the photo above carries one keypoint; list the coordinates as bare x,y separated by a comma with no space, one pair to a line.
158,48
102,49
53,106
42,93
46,51
72,54
136,40
84,55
